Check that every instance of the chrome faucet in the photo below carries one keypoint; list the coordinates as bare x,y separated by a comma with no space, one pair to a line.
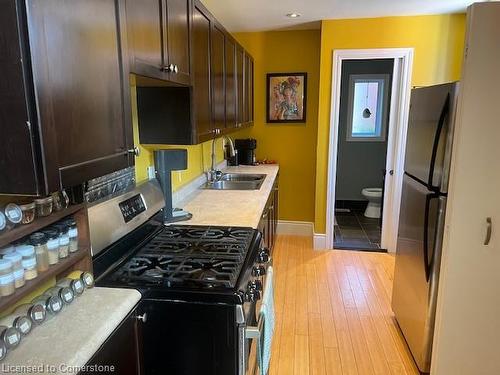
214,174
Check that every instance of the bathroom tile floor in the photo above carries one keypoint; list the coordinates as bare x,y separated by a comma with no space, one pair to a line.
355,231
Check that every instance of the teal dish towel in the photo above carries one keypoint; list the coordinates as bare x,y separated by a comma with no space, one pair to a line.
268,317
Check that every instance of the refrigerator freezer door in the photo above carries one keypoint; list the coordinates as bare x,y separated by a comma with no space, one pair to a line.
414,290
426,110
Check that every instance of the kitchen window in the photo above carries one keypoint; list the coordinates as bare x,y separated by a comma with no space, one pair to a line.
367,107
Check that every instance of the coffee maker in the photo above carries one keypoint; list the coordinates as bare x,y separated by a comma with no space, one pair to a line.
246,150
167,161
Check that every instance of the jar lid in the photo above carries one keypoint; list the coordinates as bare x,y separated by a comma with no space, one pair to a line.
70,221
23,324
7,279
61,226
3,224
7,250
54,304
13,213
27,206
67,295
11,337
5,264
51,233
87,279
18,274
77,286
45,200
25,250
13,257
38,238
37,312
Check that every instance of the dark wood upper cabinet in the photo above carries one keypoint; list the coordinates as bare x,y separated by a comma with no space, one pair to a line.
75,121
218,69
240,85
248,84
201,106
159,39
230,97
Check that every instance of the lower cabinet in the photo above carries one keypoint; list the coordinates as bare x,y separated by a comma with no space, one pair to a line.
122,349
269,220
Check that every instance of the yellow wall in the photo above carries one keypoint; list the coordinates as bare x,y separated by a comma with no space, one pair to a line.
199,156
438,42
294,145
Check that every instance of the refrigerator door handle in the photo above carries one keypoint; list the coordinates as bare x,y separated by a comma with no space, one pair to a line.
489,228
435,146
428,261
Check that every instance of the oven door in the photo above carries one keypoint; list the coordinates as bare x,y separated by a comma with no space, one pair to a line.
252,333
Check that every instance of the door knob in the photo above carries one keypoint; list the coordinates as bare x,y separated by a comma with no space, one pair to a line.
135,151
391,172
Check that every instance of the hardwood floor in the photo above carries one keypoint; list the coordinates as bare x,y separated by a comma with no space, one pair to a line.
333,313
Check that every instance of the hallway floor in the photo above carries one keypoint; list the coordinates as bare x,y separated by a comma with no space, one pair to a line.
353,230
333,313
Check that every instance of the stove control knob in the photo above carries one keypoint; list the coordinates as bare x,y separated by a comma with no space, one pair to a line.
258,271
255,285
252,295
263,256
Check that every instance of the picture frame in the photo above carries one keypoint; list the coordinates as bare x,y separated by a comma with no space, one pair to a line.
286,97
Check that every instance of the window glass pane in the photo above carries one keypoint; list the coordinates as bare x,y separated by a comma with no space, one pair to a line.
365,117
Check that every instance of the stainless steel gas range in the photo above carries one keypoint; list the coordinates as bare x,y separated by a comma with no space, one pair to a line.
200,285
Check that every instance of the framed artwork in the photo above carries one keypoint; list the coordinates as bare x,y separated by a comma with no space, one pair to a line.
286,97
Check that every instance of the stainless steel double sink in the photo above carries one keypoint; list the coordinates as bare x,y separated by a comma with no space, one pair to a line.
236,181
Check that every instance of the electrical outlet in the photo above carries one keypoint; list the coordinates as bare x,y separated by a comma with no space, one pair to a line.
151,172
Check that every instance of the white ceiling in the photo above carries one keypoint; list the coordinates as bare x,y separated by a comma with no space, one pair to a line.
257,15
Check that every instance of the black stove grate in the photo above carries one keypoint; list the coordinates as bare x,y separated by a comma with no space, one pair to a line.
189,256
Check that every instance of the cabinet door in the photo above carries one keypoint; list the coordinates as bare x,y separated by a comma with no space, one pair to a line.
81,82
201,78
240,76
177,40
231,98
145,34
248,88
122,349
18,160
218,78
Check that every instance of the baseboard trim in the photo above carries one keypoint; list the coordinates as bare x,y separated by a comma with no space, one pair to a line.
319,241
298,228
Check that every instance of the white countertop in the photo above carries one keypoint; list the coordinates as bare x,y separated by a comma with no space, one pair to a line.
76,333
231,207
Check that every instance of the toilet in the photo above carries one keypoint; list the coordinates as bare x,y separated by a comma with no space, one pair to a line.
374,196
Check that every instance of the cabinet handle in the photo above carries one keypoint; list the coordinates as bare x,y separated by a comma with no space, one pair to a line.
169,68
143,318
264,216
135,151
216,131
176,69
488,231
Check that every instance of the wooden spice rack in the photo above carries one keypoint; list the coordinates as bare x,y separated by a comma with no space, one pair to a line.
79,260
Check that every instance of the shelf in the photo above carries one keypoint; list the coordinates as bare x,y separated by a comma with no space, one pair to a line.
23,230
53,271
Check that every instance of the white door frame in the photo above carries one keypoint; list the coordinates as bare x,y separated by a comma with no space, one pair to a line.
396,142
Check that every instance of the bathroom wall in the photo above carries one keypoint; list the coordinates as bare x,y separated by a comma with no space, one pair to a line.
359,164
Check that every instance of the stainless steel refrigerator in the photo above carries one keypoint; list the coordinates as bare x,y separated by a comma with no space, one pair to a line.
421,221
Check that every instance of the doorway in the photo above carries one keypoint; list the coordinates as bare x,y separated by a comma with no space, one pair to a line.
365,95
370,99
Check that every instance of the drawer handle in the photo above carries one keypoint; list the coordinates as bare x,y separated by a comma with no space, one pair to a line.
489,229
143,318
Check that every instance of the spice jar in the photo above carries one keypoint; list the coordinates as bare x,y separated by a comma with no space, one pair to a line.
6,278
28,261
10,337
53,304
39,241
13,214
63,239
3,351
7,250
52,245
28,212
17,268
76,285
43,206
73,235
20,322
65,293
60,200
